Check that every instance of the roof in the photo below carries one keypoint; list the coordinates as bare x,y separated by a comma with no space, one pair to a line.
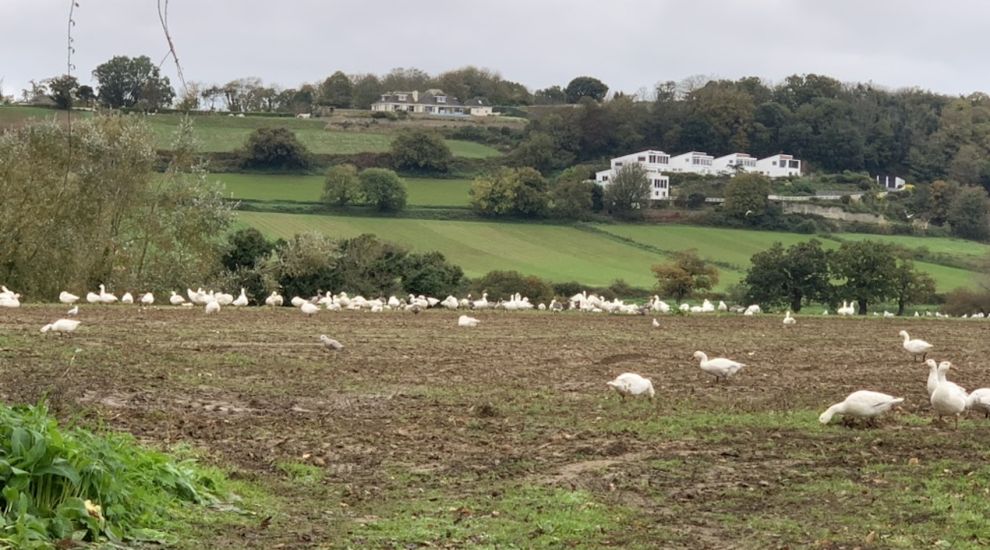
428,97
477,102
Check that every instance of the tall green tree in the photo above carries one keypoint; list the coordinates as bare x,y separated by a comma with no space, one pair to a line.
63,90
686,275
383,189
132,82
911,286
794,276
336,90
969,213
746,198
628,193
341,186
865,272
421,151
585,86
275,148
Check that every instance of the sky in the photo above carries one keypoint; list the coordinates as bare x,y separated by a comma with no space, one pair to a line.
628,44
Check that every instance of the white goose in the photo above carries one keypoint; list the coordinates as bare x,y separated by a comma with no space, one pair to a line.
932,376
147,299
632,384
274,300
176,299
296,301
67,298
656,324
861,404
73,312
915,347
979,400
241,300
212,307
465,321
62,325
106,297
948,399
330,343
92,298
309,308
11,300
788,320
719,367
127,298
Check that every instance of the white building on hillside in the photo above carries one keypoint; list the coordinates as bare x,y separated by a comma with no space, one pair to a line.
779,166
736,162
654,162
692,163
891,183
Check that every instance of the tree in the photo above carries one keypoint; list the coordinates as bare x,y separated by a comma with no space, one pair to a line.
746,198
132,82
495,194
367,90
585,86
275,148
554,95
245,248
793,276
911,286
383,189
341,186
500,285
86,95
63,90
336,90
969,213
685,275
628,192
420,151
571,200
865,271
430,274
531,199
539,150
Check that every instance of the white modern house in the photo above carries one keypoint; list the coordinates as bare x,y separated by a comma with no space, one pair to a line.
736,162
654,162
891,183
693,162
779,166
431,102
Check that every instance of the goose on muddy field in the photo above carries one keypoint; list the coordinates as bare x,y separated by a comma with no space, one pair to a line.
949,398
915,346
632,384
862,404
719,367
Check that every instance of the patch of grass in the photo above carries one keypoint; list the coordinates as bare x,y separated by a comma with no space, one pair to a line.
300,472
525,516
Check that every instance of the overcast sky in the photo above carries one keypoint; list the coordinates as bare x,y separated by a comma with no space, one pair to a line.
628,44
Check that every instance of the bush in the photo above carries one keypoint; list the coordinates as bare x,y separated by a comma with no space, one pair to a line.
695,201
245,247
275,148
383,189
430,274
421,151
965,301
384,114
341,186
501,284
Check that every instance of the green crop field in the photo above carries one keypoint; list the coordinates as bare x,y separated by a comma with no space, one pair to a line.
277,187
221,133
596,255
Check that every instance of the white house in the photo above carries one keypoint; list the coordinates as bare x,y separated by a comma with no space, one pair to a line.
779,166
692,163
736,162
891,183
431,102
654,162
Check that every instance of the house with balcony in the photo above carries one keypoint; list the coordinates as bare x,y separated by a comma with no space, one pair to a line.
431,102
734,163
693,162
655,163
779,166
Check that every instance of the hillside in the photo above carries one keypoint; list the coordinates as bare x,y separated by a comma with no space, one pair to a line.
275,187
594,254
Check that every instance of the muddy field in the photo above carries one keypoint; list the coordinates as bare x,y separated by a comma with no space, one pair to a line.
422,433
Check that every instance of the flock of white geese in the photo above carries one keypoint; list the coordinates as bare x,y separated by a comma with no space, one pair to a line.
947,398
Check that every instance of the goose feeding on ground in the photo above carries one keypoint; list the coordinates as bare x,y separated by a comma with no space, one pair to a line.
62,325
788,320
979,400
212,306
861,404
73,312
948,399
274,300
632,384
465,321
175,299
656,324
915,347
147,299
330,343
719,367
241,300
309,308
67,298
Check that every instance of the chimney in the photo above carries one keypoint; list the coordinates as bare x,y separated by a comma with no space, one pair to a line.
415,95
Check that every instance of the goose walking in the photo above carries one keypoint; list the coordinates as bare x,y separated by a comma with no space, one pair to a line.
61,326
632,384
948,399
67,298
915,347
861,404
719,367
330,343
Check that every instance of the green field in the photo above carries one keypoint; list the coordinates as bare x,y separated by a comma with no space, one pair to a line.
221,133
275,187
595,256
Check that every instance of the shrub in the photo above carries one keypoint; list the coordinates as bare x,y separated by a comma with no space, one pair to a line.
420,151
384,114
275,148
383,189
431,274
341,186
501,284
245,247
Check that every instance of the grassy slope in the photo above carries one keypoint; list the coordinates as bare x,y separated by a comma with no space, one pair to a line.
224,133
563,253
269,187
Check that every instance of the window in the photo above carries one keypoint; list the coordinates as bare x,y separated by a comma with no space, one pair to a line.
618,164
604,178
773,163
641,159
795,164
441,99
401,97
